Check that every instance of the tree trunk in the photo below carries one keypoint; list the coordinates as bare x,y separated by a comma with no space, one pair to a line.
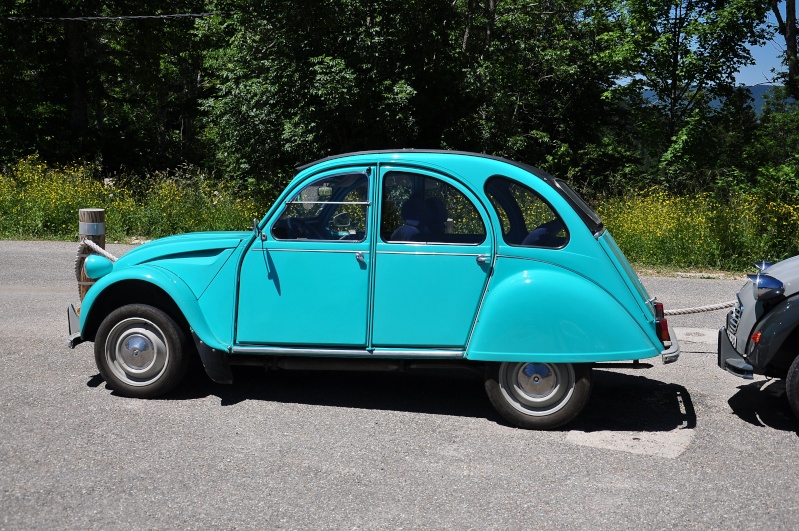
790,48
78,97
787,28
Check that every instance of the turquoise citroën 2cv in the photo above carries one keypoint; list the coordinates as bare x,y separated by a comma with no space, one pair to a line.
387,260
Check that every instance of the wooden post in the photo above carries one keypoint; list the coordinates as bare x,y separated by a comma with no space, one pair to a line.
92,227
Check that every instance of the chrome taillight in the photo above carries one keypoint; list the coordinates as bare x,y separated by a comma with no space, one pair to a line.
661,324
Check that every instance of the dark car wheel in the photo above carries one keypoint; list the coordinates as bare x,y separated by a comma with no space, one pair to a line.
140,351
792,386
538,395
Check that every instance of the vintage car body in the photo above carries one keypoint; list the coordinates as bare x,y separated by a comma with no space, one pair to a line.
761,334
384,261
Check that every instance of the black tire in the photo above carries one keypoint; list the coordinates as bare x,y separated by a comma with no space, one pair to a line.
141,351
538,396
792,386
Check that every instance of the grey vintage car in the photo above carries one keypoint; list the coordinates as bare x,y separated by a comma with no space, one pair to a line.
761,335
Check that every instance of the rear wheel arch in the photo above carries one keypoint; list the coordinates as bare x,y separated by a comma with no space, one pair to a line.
779,344
549,314
786,353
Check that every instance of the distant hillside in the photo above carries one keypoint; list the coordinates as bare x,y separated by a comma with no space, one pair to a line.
758,95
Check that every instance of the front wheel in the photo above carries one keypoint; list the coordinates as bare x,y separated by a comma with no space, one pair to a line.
140,351
792,386
538,395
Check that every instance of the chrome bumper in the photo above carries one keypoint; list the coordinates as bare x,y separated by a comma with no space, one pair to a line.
73,321
671,354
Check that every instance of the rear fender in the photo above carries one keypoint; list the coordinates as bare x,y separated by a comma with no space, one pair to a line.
548,314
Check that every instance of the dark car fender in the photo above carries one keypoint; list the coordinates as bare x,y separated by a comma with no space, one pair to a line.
777,346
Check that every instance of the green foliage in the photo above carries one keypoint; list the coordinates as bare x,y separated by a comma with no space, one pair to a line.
120,92
657,228
42,201
615,96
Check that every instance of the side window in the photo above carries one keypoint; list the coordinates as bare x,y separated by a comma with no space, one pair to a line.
332,208
527,220
418,208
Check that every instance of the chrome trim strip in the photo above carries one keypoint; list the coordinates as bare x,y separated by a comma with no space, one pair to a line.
427,353
442,244
302,351
350,353
431,253
339,251
367,203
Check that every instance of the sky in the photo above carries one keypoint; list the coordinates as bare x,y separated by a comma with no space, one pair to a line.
766,57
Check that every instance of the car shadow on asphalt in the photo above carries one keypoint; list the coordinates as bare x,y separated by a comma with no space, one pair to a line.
632,402
619,402
763,403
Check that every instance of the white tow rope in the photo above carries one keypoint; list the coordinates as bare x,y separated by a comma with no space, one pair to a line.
700,309
97,249
83,248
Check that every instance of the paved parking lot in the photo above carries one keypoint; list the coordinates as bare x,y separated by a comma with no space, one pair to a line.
678,446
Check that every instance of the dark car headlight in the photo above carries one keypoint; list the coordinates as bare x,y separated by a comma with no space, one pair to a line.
766,287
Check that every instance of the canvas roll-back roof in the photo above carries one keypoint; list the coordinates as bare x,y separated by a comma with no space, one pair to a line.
586,213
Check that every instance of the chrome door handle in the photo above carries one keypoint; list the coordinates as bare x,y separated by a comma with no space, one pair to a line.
359,257
483,259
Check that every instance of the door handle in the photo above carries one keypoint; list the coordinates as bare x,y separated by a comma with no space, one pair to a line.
359,257
483,259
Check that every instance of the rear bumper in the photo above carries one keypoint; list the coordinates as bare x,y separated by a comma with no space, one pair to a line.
73,322
671,354
730,360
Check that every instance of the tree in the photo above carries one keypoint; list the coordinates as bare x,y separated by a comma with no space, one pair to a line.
537,79
786,26
295,80
686,52
120,91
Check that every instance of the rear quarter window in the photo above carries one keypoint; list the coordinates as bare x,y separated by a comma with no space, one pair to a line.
527,219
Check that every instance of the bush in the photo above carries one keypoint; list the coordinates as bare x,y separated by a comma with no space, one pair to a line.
656,228
653,228
38,201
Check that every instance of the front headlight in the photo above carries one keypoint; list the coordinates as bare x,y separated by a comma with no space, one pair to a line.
766,287
97,266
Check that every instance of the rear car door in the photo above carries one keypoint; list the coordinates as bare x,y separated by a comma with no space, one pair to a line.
433,259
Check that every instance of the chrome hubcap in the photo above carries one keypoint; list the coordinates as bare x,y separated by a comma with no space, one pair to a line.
536,380
137,351
537,388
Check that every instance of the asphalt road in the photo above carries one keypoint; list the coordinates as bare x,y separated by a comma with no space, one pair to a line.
678,446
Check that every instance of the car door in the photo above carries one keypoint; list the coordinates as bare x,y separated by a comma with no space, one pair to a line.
433,259
306,280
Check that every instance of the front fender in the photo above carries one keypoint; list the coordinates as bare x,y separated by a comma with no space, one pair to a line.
105,295
775,329
544,313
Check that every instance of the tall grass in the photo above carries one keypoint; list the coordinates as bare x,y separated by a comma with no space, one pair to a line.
653,228
656,228
42,202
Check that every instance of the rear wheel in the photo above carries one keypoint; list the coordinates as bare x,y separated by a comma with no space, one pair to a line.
538,395
141,351
792,386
